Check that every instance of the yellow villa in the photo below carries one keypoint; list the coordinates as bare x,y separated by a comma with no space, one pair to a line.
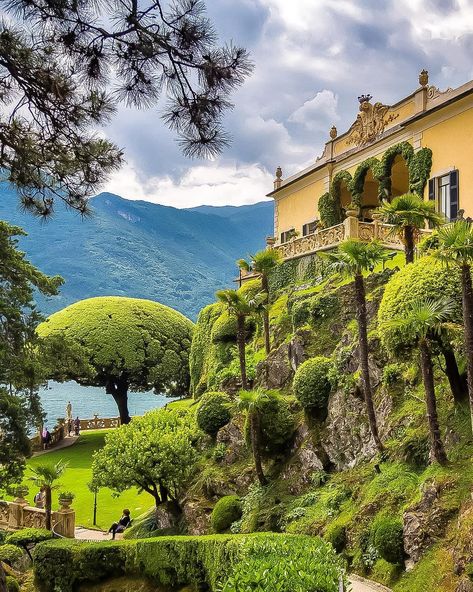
422,144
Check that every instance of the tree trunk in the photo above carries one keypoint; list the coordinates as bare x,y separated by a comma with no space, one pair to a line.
241,342
118,388
3,581
267,335
256,446
457,384
467,301
409,243
436,444
363,342
47,506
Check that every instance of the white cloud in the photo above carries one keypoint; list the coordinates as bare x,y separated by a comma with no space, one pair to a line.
206,184
317,112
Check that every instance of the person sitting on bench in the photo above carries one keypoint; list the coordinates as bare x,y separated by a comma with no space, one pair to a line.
122,524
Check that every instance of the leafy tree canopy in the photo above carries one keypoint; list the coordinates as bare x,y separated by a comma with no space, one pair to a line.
65,66
14,442
131,343
154,452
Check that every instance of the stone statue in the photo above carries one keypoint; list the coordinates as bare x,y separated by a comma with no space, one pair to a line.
69,410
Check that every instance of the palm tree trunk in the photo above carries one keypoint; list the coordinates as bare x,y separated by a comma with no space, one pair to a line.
267,337
457,384
436,444
409,245
467,301
47,506
3,581
241,342
365,372
256,447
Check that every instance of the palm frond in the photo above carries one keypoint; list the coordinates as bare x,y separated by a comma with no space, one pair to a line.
410,210
354,256
455,242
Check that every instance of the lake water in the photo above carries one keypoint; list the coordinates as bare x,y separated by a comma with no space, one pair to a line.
88,401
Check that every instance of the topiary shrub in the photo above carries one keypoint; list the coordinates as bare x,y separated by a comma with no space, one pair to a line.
413,283
12,584
336,534
213,412
10,554
225,328
311,385
227,510
387,539
277,423
29,537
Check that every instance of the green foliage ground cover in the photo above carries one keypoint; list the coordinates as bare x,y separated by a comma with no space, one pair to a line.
76,477
198,561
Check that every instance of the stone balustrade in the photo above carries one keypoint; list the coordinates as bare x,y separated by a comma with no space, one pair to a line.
18,514
328,238
99,423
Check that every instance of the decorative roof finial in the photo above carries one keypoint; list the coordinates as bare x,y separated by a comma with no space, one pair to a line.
424,78
364,101
278,179
333,132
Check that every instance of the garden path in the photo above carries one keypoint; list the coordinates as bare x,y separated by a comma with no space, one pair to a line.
361,585
64,443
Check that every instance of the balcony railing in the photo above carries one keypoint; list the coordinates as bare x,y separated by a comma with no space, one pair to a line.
328,238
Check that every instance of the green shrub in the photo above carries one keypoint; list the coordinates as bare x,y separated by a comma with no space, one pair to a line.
336,535
293,566
225,328
415,282
10,554
277,423
201,346
213,412
300,313
384,572
469,570
29,536
172,561
12,584
227,510
324,306
387,539
311,384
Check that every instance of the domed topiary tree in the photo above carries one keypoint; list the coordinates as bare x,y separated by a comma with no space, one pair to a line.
414,283
226,511
387,539
311,384
129,342
213,412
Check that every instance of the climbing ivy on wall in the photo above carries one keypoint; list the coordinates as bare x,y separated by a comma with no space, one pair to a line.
419,170
329,210
418,163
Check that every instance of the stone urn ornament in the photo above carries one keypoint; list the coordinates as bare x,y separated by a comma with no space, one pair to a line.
65,499
352,210
377,215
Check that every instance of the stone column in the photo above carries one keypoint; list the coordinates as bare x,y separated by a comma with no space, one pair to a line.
64,522
15,518
351,227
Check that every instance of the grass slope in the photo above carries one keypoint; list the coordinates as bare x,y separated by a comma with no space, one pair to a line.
76,477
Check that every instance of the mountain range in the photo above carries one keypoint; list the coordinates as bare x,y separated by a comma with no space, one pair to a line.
178,257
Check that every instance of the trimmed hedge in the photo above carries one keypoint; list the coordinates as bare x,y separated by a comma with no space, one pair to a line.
413,283
10,554
388,540
213,412
227,510
201,561
311,384
29,536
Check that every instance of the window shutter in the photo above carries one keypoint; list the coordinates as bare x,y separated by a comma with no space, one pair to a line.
431,189
305,230
453,195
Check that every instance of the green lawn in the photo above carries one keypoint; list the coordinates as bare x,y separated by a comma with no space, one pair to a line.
76,477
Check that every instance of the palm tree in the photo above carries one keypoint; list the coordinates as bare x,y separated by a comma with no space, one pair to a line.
253,402
240,307
409,213
456,248
45,477
352,259
262,263
421,323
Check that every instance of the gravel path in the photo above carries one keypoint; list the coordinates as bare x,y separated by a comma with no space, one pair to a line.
361,585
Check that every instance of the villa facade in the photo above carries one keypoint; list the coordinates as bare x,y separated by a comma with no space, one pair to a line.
422,144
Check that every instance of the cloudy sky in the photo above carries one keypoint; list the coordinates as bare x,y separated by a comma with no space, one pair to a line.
312,59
